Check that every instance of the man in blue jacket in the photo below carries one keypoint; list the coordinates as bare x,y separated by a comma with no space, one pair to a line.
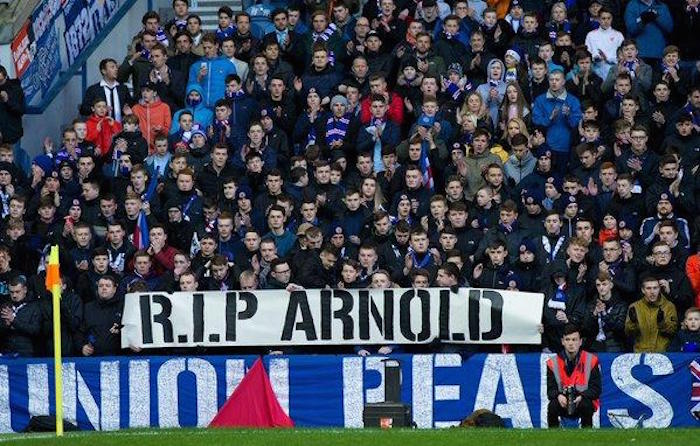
648,22
210,71
560,113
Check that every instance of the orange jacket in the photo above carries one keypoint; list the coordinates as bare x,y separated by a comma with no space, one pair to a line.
692,270
100,132
154,118
501,7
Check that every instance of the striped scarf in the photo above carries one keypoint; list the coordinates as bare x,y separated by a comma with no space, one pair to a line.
554,28
336,129
161,36
325,36
511,74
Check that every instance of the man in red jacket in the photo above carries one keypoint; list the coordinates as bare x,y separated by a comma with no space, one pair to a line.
573,374
163,255
378,85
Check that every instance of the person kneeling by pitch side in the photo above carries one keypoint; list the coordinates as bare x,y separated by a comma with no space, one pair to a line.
573,381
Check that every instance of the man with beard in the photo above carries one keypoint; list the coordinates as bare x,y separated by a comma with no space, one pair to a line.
424,56
282,34
246,43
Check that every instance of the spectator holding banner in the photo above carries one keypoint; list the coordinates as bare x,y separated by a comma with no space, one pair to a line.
99,334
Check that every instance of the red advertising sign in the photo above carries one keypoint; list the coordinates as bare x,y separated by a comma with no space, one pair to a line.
21,54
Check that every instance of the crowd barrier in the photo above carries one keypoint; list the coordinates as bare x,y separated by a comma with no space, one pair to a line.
639,390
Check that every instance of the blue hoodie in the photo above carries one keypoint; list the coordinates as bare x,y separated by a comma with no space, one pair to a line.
214,83
202,115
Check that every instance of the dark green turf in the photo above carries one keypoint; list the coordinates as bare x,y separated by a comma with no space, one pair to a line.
349,437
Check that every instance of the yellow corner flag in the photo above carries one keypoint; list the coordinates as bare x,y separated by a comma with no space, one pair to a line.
53,284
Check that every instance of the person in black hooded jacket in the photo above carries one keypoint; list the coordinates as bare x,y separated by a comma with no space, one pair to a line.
564,303
20,320
99,333
11,108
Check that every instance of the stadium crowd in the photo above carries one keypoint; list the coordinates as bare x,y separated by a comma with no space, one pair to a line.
525,145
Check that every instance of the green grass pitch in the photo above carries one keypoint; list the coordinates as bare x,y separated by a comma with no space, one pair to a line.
370,437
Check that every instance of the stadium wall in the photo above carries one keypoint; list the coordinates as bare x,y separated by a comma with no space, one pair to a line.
325,391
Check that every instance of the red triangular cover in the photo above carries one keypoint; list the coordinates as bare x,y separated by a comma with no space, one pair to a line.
253,403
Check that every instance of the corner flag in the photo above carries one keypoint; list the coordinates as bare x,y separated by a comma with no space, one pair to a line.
53,284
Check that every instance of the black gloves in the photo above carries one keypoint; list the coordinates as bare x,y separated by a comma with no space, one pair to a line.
648,16
633,315
660,316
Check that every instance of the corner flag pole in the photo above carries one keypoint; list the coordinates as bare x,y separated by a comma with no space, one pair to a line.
53,284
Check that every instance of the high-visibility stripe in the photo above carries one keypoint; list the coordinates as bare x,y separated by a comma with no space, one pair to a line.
579,379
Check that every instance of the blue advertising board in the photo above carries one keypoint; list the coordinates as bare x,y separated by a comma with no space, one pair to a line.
123,392
84,19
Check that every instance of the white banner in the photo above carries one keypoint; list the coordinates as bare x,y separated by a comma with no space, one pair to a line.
331,317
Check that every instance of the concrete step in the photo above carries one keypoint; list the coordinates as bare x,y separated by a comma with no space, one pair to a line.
207,10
